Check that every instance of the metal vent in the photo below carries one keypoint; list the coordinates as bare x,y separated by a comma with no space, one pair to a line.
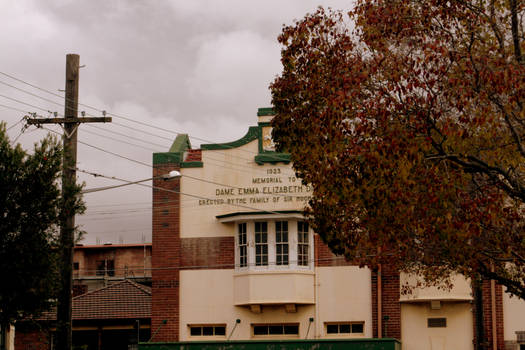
436,322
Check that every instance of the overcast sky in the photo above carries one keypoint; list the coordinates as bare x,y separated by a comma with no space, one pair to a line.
196,67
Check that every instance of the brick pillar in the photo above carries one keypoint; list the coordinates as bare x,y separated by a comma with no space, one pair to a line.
165,253
390,305
487,315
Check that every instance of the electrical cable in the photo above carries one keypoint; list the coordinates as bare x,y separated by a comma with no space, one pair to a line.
115,123
174,191
121,141
124,135
108,113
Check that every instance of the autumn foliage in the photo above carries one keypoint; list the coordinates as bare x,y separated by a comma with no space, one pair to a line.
408,119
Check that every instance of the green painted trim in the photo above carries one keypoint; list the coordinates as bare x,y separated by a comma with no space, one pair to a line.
264,124
166,157
252,134
295,344
191,164
257,213
272,158
260,139
265,111
181,143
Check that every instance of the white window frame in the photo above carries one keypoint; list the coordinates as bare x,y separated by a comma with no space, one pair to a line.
271,241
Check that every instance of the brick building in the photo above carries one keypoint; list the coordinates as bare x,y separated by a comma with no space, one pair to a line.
112,317
111,300
233,259
96,266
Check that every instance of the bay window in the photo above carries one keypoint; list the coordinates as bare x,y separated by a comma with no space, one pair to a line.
273,245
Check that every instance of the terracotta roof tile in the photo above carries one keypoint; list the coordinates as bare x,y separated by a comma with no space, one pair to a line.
120,300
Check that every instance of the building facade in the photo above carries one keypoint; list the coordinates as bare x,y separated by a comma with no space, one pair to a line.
96,266
234,259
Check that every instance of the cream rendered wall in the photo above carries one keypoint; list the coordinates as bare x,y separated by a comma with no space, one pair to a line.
234,167
207,298
461,289
458,335
513,316
344,293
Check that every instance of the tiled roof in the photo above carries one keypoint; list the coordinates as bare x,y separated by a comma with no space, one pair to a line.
125,299
111,246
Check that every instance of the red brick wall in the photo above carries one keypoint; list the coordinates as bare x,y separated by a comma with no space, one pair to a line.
31,339
165,256
325,257
208,253
487,315
390,305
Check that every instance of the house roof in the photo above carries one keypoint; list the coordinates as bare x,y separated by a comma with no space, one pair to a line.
111,246
121,300
124,299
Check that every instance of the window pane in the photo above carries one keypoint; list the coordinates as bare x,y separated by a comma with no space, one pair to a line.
332,329
207,330
195,331
291,329
243,247
344,328
357,328
276,329
220,330
260,330
281,242
302,244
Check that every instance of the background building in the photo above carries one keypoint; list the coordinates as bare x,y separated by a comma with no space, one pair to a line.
96,266
111,309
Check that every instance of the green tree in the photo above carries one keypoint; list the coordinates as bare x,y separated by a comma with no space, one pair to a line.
407,117
30,209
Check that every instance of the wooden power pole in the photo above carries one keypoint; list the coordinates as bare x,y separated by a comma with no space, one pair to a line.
70,124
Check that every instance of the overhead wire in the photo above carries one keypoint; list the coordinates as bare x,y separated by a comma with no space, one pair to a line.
118,115
174,191
122,125
124,135
150,166
109,152
121,141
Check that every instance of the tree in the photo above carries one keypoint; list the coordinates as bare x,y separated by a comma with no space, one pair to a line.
407,118
30,210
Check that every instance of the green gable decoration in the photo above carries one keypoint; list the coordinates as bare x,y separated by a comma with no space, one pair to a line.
252,134
182,143
176,152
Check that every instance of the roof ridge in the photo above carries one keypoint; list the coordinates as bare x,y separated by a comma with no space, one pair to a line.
142,287
102,288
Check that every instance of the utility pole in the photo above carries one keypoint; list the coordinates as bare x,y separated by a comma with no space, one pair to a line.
67,225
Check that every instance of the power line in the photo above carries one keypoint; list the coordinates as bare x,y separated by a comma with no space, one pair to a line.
174,191
121,141
14,108
12,126
128,136
30,93
150,166
24,103
116,123
113,114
